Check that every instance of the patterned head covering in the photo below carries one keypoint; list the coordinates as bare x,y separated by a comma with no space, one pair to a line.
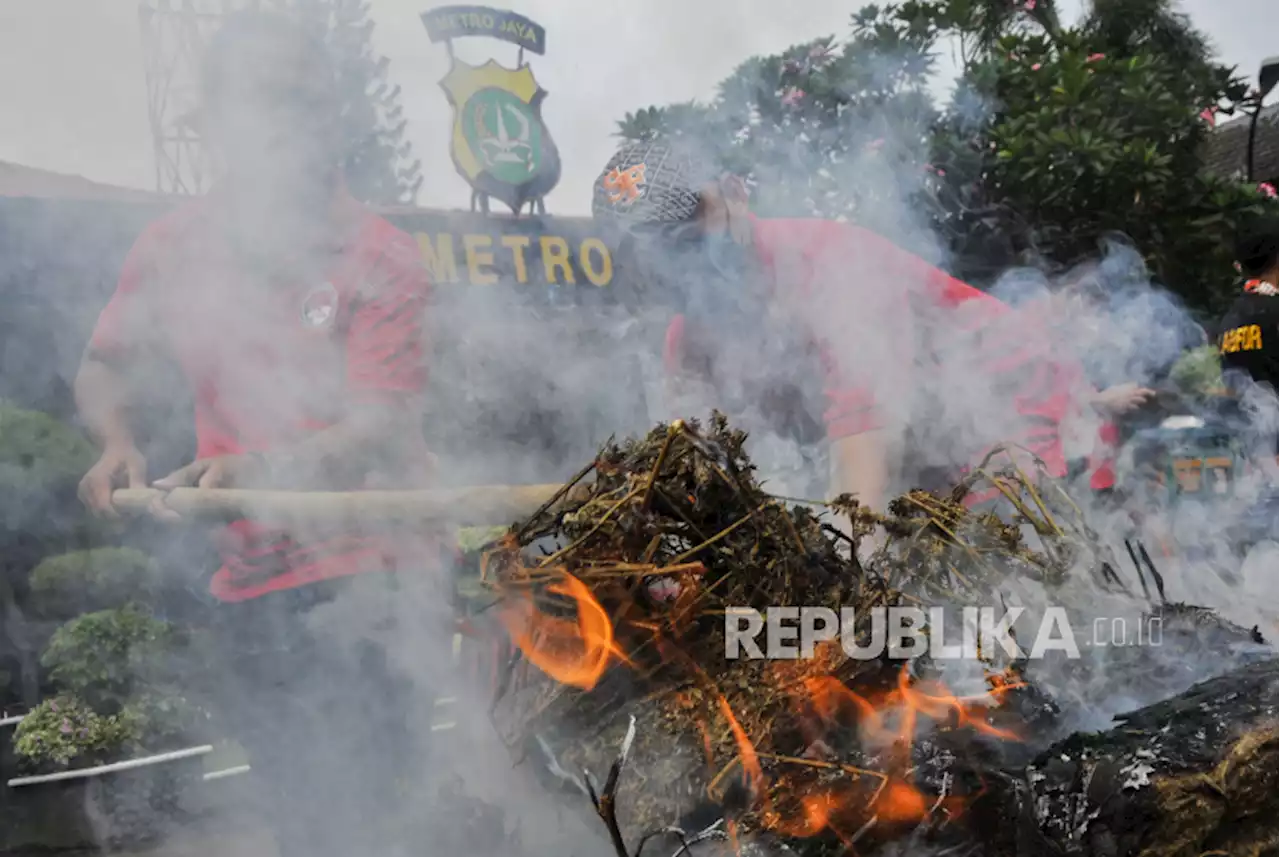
1261,287
654,184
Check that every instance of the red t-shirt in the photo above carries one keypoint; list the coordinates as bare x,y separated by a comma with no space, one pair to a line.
1014,349
1102,464
272,361
1056,393
899,290
806,257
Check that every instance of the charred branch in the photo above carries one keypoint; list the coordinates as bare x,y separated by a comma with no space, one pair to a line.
1193,775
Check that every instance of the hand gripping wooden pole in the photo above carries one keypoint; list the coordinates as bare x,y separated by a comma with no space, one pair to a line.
482,506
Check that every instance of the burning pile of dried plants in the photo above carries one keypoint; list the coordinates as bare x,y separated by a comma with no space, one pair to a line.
613,601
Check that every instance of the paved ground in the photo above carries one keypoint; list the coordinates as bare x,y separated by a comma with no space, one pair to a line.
202,843
251,844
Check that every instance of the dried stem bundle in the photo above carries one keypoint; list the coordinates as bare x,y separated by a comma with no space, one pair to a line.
616,592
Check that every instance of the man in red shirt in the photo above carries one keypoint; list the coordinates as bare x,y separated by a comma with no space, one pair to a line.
1075,317
779,302
296,317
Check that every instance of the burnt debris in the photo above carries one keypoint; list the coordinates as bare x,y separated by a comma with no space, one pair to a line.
612,600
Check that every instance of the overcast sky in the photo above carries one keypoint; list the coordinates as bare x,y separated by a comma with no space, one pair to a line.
74,98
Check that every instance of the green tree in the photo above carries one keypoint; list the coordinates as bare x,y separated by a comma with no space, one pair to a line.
828,128
85,581
1056,137
381,168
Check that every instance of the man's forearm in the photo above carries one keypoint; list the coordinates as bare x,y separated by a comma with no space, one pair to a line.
102,398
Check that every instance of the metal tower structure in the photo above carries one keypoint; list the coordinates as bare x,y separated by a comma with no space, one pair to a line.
174,34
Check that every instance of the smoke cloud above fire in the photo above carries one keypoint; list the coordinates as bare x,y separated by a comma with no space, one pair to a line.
553,379
941,407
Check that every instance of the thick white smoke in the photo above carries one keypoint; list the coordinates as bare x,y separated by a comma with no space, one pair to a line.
581,363
855,309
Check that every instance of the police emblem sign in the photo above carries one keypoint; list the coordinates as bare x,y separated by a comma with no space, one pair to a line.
500,143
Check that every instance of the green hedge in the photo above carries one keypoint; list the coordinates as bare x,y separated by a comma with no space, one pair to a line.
115,666
107,656
41,460
65,731
90,580
118,675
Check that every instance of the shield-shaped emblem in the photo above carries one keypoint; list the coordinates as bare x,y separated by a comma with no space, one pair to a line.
320,307
500,144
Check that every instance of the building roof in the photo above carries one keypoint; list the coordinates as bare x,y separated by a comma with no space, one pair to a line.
1228,147
19,181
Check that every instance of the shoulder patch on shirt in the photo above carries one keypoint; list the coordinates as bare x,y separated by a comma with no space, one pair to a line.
320,307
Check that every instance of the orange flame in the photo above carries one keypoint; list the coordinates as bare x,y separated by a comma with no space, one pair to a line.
575,653
1002,683
941,705
732,827
746,750
888,720
816,813
900,803
832,701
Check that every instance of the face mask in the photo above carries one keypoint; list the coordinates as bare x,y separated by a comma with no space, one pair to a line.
661,263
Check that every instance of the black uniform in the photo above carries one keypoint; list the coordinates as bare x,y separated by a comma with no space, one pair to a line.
1248,333
1249,344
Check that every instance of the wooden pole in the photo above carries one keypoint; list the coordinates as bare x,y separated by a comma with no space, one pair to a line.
483,506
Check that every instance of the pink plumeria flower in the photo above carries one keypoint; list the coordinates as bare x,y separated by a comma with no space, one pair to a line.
1036,67
1029,5
792,96
1268,190
1209,116
1095,57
